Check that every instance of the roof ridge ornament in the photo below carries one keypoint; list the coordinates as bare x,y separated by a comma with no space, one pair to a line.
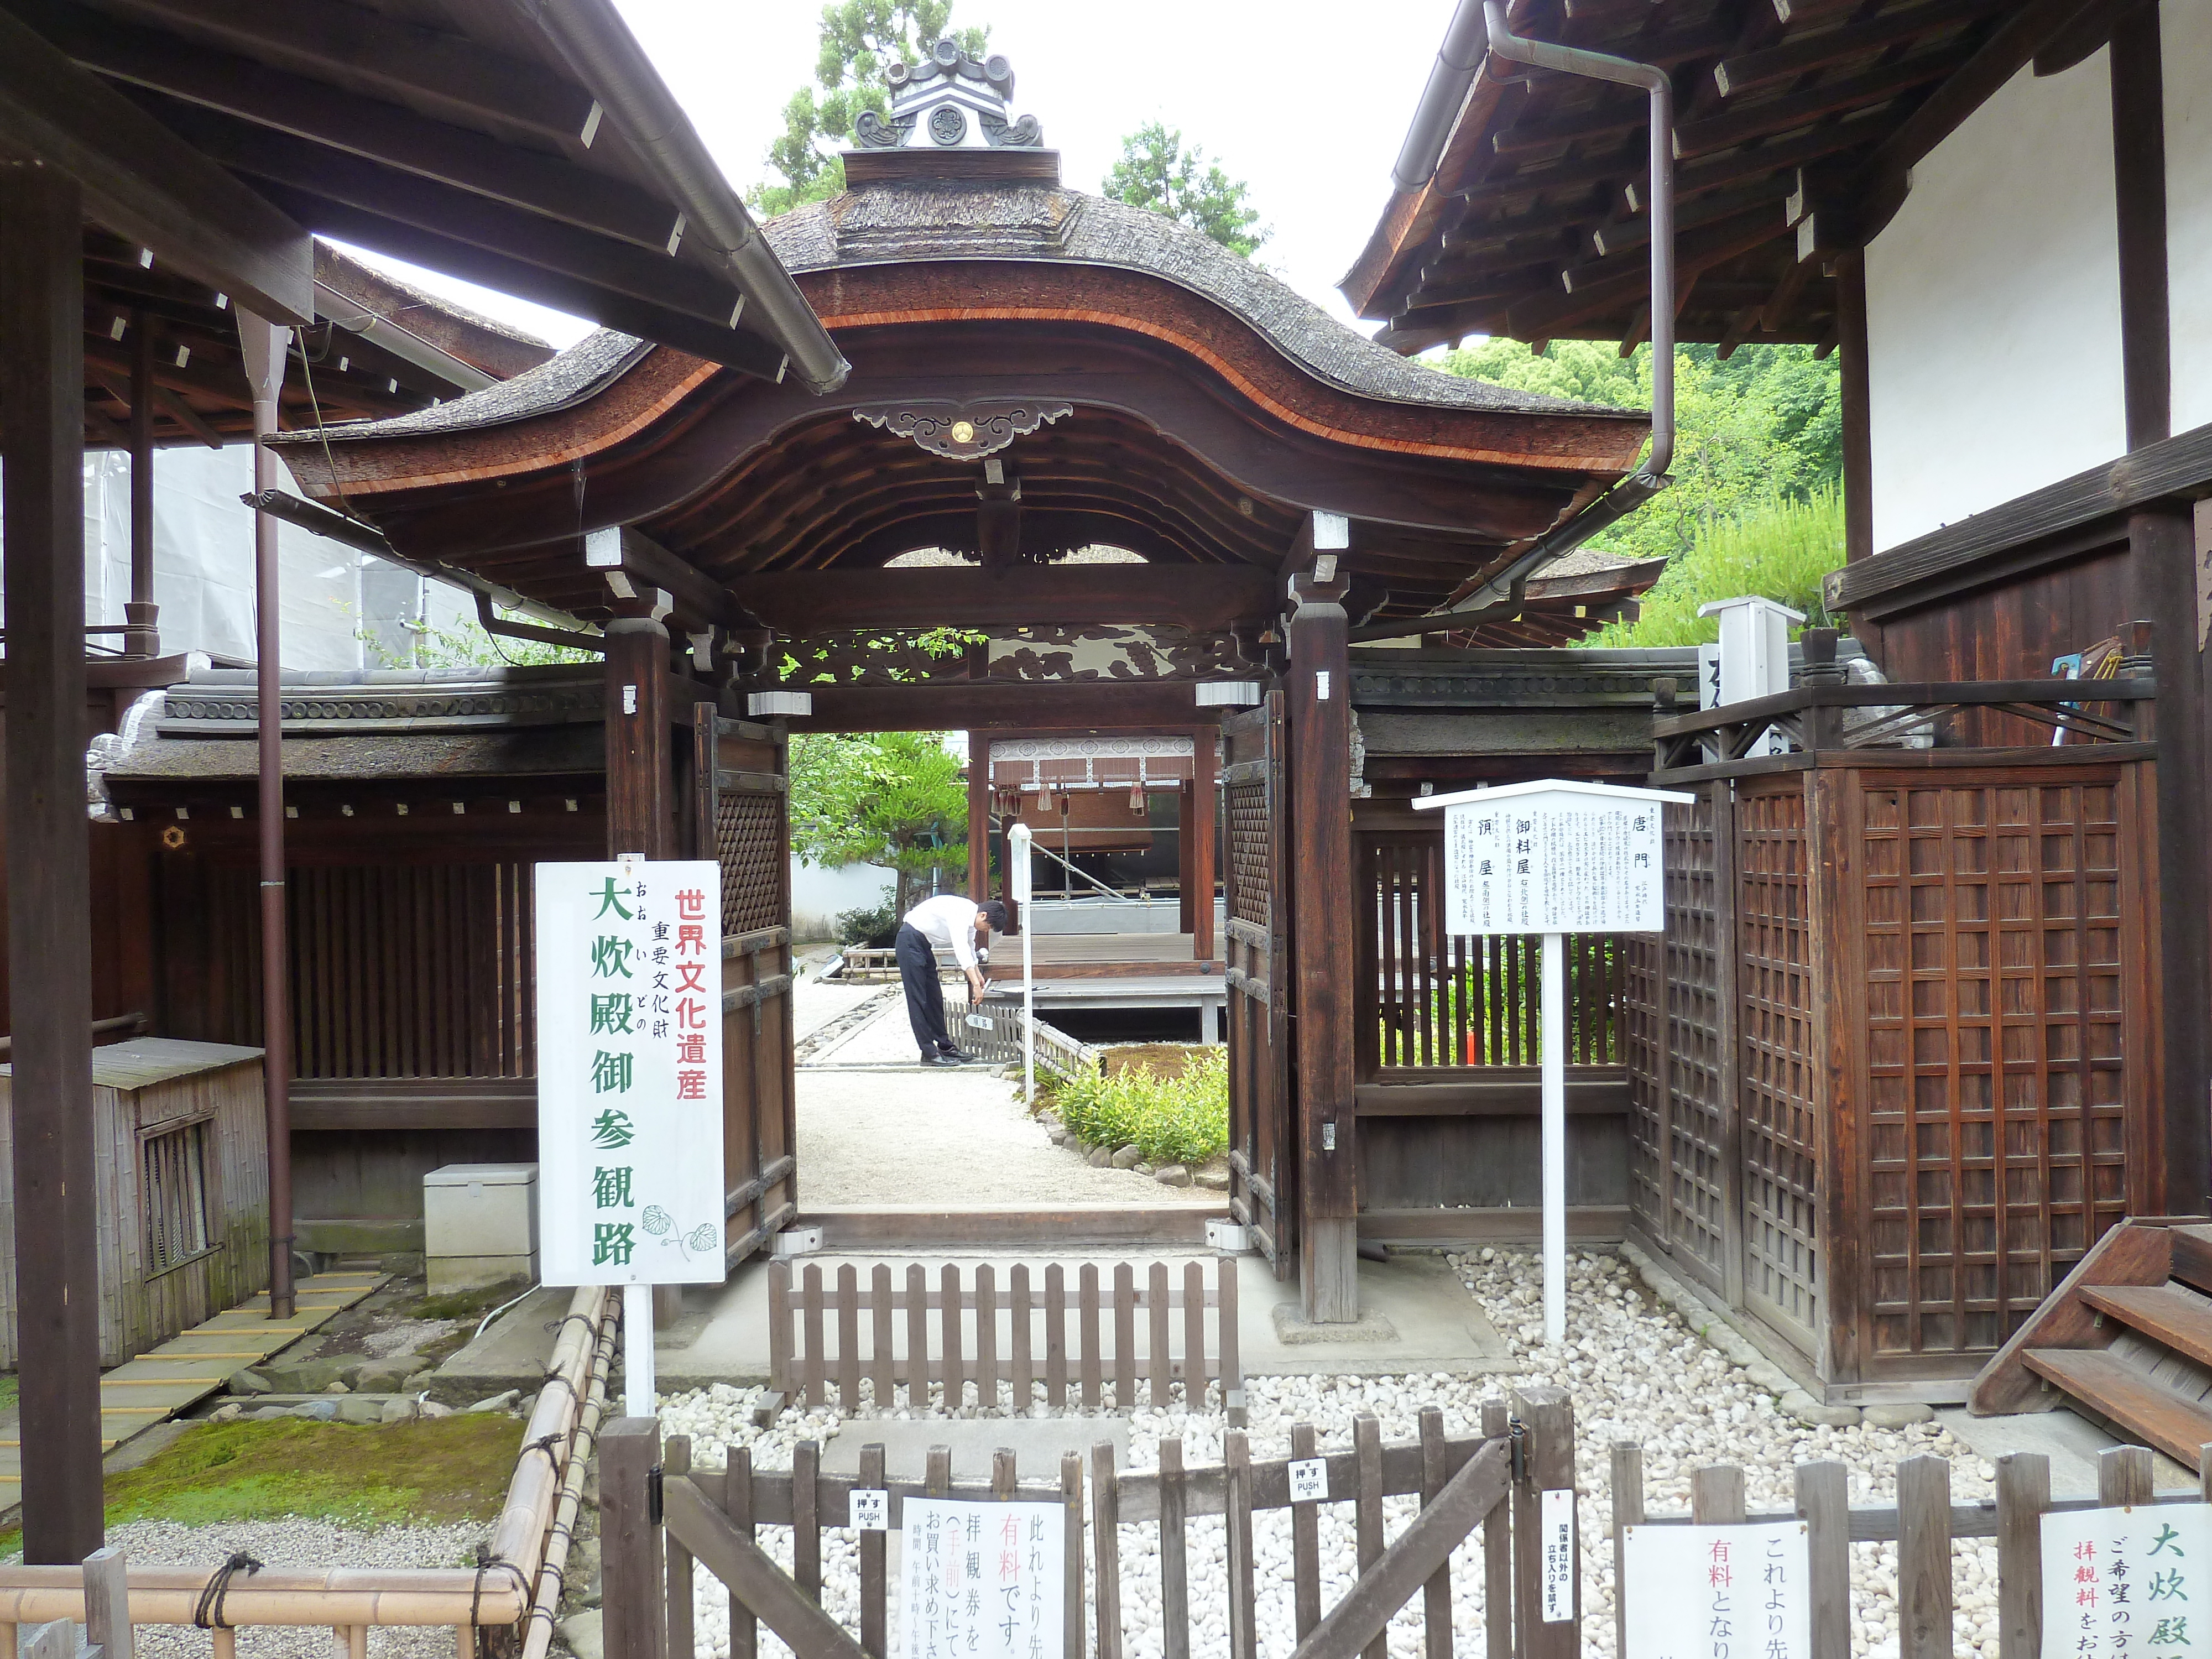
954,101
963,431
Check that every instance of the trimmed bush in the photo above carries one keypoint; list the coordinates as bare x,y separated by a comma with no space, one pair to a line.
1169,1120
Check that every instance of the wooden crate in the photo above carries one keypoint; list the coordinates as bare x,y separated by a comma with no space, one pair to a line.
180,1145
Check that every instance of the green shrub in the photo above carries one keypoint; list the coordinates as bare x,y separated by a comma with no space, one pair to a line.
1779,549
872,925
1171,1120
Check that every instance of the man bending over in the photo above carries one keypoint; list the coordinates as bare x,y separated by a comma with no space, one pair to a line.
959,926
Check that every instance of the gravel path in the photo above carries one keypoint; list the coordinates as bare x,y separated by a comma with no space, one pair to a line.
870,1138
291,1542
1636,1372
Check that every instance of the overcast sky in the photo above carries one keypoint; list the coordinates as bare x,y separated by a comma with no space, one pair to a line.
1307,102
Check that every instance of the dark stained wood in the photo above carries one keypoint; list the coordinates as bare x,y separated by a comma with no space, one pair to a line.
2125,1255
873,1546
1305,1545
1319,708
140,182
636,1577
49,951
1078,706
2138,96
639,765
1792,57
979,816
1025,596
1202,829
1856,405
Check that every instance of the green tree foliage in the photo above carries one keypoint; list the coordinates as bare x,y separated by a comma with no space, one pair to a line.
895,799
464,644
1158,173
1764,426
1779,549
860,38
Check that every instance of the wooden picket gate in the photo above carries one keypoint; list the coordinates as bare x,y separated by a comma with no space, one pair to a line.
802,1362
1923,1523
661,1520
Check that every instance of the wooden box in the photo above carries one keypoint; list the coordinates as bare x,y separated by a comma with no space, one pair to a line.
181,1143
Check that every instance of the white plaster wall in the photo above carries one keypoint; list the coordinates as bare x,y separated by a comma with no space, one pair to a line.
2186,32
1993,307
818,897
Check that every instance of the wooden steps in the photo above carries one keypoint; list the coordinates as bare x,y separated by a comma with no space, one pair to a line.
2126,1338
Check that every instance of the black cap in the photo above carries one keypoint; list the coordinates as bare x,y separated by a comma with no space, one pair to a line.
995,913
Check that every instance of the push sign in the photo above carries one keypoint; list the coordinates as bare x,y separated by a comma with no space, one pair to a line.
629,1072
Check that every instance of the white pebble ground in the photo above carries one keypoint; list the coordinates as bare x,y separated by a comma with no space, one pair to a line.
1636,1372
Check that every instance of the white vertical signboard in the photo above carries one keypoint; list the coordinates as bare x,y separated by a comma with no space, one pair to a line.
1554,858
981,1581
629,1082
1717,1592
2127,1584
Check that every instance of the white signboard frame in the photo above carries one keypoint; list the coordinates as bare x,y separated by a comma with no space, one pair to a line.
629,1084
981,1581
1716,1592
1553,857
2116,1580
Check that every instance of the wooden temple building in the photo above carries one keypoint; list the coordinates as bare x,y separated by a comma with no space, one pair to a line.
1926,1025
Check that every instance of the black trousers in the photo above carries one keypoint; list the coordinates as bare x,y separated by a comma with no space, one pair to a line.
925,995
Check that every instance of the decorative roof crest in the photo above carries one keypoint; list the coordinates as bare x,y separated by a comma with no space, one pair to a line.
951,101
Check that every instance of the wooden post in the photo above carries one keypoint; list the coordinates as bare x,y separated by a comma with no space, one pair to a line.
1206,806
641,792
1546,1414
1924,1558
1186,867
1857,404
2023,1495
1824,1500
1627,1483
675,1461
139,611
48,944
979,816
632,1572
2138,100
1320,799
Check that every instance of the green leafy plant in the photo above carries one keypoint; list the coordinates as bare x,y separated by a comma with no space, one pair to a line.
1180,1119
875,926
1158,173
895,799
1780,549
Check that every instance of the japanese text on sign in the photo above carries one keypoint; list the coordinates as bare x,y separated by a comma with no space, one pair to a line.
1717,1592
629,1073
1554,863
2127,1584
982,1581
1556,1516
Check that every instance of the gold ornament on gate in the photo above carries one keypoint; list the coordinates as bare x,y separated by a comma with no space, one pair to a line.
963,432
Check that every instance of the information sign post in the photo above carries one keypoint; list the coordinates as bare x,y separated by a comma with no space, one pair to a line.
1018,882
629,1085
1553,858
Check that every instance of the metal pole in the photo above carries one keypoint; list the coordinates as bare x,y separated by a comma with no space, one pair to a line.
1555,1139
637,1350
265,347
1017,879
139,611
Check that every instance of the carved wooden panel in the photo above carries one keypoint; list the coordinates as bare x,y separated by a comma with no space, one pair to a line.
749,842
1995,1071
1250,839
1778,1091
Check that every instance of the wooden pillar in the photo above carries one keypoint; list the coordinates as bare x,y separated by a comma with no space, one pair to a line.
1319,799
1207,803
2139,194
1857,417
49,944
979,816
1186,866
140,613
640,768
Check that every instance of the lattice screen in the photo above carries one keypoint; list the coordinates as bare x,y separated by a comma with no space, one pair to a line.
1995,1062
1250,839
1696,1180
1774,996
748,839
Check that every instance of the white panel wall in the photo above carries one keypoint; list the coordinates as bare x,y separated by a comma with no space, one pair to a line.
2186,27
1993,307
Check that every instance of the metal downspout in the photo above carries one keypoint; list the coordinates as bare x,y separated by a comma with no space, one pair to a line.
1441,99
602,51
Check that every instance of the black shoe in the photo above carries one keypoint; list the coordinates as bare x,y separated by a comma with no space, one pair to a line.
960,1056
939,1059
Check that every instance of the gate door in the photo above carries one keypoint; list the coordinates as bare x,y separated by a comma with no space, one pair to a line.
741,818
1263,1167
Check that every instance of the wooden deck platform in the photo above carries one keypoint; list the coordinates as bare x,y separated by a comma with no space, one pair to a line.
194,1364
1099,955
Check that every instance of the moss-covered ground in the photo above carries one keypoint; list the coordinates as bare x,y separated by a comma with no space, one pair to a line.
439,1469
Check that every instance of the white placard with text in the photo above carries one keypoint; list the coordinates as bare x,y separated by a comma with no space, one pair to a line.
629,1073
1309,1479
1717,1592
981,1581
2128,1583
1556,1533
870,1509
